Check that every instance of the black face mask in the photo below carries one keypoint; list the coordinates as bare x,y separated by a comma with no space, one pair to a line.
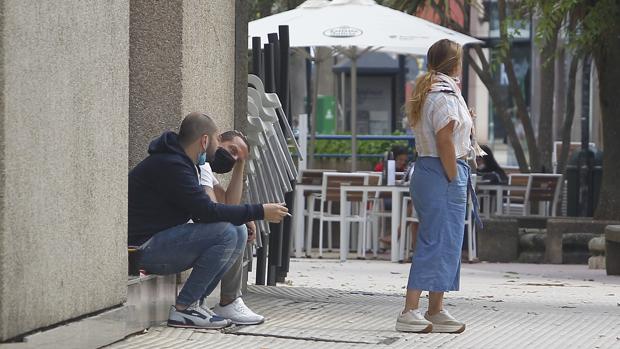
223,161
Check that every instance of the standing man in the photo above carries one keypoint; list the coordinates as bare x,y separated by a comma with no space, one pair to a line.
164,194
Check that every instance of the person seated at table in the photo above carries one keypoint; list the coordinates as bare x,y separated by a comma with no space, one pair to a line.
231,156
489,169
401,157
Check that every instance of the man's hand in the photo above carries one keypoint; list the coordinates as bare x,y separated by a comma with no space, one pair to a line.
274,213
251,231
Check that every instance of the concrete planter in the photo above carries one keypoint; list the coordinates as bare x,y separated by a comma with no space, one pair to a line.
612,247
597,252
568,237
499,240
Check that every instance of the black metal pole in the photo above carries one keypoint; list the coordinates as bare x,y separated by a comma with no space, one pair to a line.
401,78
261,253
261,260
275,236
256,56
284,71
275,42
269,79
283,31
273,64
586,157
308,86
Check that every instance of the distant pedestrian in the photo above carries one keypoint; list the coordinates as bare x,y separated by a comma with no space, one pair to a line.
443,126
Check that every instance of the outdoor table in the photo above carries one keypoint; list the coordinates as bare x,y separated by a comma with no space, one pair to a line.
298,214
499,189
396,191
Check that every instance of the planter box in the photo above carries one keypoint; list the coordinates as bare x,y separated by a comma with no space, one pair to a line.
499,240
577,231
612,249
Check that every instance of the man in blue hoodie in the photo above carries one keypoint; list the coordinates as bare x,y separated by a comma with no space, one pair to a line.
164,194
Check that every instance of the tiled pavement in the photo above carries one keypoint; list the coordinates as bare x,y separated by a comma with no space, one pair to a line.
504,306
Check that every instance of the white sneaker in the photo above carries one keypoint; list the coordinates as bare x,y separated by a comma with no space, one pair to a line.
444,322
195,317
239,313
413,321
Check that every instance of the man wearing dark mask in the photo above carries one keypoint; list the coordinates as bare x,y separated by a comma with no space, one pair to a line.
164,195
231,156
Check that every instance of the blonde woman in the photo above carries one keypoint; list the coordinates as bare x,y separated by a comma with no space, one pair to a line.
443,126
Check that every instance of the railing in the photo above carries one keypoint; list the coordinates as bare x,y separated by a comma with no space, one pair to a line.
409,138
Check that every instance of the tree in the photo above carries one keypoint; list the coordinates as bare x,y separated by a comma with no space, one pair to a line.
597,33
264,8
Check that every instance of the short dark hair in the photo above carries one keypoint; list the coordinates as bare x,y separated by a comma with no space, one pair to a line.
398,150
194,125
230,135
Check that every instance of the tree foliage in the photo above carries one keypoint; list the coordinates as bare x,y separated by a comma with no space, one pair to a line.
590,23
264,8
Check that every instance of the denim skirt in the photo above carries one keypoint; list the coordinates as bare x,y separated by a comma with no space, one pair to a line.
441,209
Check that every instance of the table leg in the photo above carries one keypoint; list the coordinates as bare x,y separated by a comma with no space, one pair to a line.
499,210
395,221
403,235
298,221
344,246
487,204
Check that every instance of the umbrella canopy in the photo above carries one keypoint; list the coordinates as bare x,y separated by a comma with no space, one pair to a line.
360,23
354,27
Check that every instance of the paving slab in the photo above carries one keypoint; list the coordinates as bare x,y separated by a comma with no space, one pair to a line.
328,304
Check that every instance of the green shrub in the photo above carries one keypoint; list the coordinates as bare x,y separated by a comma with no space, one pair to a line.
341,146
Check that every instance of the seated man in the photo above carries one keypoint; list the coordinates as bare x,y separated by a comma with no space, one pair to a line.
164,194
231,156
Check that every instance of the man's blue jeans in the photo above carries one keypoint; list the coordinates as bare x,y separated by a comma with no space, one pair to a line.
210,249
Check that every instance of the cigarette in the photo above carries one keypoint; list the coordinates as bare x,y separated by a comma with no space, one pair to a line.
288,214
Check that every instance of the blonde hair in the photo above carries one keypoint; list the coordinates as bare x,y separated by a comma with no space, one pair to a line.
443,57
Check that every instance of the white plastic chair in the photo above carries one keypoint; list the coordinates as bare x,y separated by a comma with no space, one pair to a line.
372,231
472,247
516,202
404,242
330,193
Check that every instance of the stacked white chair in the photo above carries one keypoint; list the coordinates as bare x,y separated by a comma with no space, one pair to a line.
271,168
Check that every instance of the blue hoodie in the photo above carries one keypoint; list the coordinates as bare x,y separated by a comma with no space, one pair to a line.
164,192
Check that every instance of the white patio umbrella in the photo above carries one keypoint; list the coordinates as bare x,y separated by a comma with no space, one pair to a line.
354,27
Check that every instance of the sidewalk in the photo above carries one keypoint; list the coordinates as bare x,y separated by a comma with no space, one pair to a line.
354,305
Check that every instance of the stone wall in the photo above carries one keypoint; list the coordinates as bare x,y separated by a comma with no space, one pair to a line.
86,86
182,59
63,146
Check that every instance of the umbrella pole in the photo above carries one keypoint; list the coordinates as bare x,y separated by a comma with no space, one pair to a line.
354,109
315,97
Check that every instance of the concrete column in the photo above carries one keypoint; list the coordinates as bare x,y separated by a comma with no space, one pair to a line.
155,61
63,160
241,65
182,55
208,59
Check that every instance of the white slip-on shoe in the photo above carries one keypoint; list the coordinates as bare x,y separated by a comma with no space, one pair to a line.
413,321
238,313
195,317
445,323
